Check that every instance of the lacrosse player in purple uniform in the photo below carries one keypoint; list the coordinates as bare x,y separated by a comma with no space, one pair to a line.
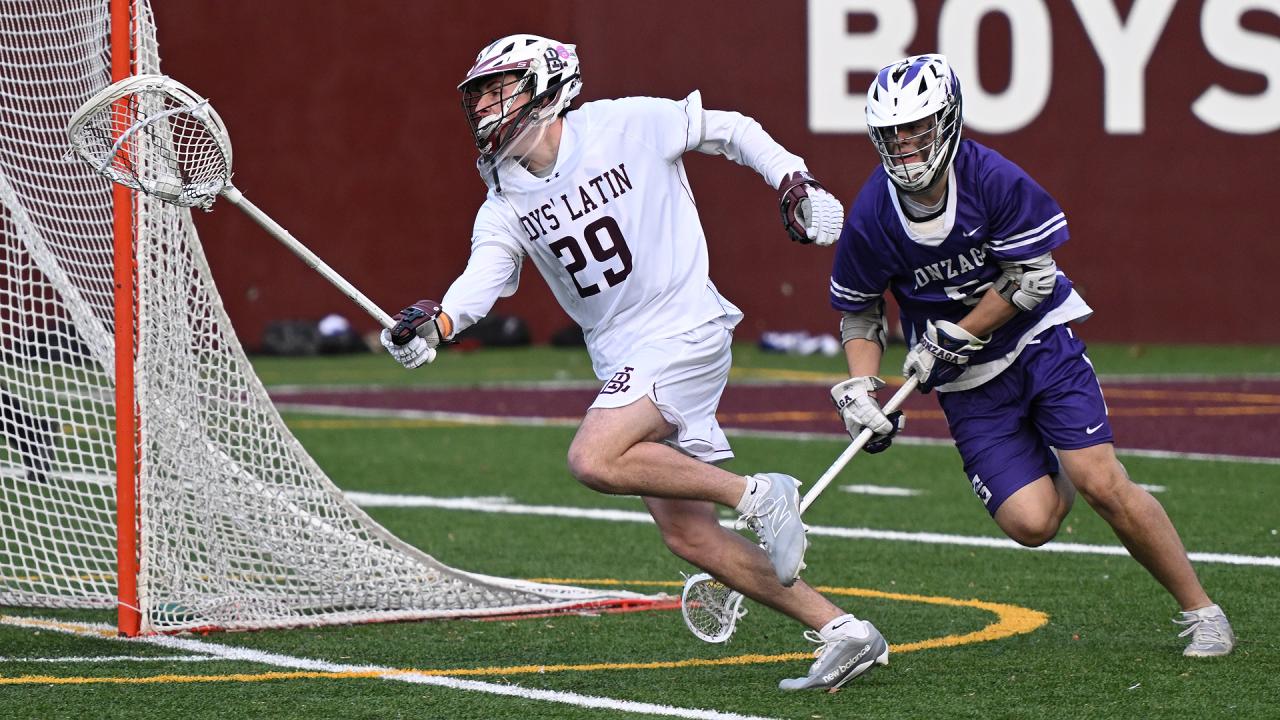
964,240
598,200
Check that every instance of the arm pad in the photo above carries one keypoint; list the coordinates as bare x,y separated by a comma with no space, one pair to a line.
866,324
1027,283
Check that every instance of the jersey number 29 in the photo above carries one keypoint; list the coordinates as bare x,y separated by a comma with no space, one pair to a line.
578,260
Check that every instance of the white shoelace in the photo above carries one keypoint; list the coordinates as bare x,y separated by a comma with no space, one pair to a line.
823,643
754,520
1201,630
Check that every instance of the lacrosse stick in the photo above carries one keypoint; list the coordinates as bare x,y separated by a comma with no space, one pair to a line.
710,608
863,438
154,135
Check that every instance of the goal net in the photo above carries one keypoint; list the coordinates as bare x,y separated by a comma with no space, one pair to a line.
223,520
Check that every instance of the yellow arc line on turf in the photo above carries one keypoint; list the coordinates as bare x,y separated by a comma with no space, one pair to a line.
1010,620
67,627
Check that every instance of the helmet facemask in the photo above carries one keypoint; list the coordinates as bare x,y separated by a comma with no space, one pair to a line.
500,110
915,154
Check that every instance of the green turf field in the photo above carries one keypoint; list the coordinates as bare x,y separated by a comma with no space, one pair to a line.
547,363
1106,648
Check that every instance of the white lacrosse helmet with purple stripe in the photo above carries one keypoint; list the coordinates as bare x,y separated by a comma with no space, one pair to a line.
546,69
916,88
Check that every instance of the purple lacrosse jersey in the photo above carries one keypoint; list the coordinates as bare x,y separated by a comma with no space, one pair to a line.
994,211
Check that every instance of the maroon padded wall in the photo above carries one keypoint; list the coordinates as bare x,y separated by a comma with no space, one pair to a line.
347,129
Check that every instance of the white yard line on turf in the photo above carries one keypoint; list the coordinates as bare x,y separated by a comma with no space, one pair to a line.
228,652
884,490
532,421
112,658
367,500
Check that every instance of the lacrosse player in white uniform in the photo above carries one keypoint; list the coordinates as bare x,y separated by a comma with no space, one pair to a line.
597,198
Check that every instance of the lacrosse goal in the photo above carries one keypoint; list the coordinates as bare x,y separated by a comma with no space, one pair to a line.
142,465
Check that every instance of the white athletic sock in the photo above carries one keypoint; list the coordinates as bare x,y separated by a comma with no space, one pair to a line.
841,626
1209,611
757,487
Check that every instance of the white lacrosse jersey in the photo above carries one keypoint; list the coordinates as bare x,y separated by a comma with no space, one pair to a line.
613,227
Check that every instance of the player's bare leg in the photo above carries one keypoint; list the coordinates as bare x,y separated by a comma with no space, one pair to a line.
616,451
1032,515
848,647
692,531
1138,520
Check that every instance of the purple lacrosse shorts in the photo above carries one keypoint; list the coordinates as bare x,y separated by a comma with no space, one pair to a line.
1004,428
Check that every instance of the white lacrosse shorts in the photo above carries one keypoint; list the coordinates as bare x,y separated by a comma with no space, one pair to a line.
684,376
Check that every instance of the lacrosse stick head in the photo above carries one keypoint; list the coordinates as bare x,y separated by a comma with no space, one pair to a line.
710,608
153,134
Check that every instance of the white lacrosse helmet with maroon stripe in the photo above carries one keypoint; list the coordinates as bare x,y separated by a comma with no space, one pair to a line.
546,69
916,88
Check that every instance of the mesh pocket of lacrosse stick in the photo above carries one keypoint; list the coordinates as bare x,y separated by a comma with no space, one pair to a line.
710,608
155,135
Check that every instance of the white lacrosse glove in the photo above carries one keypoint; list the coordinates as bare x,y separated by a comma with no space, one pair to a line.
809,213
942,355
412,354
856,406
416,334
859,410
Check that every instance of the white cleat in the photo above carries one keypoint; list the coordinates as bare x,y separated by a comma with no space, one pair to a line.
775,519
1210,631
842,658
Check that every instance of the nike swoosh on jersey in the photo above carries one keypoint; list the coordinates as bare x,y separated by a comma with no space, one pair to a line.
971,232
1094,429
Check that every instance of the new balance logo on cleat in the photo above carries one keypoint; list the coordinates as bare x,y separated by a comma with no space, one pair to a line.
778,515
847,665
775,519
840,659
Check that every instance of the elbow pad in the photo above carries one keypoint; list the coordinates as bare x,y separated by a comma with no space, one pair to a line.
865,324
1028,283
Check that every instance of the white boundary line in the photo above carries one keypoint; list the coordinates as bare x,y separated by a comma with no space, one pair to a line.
367,500
228,652
111,658
529,421
881,490
941,442
567,698
892,491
